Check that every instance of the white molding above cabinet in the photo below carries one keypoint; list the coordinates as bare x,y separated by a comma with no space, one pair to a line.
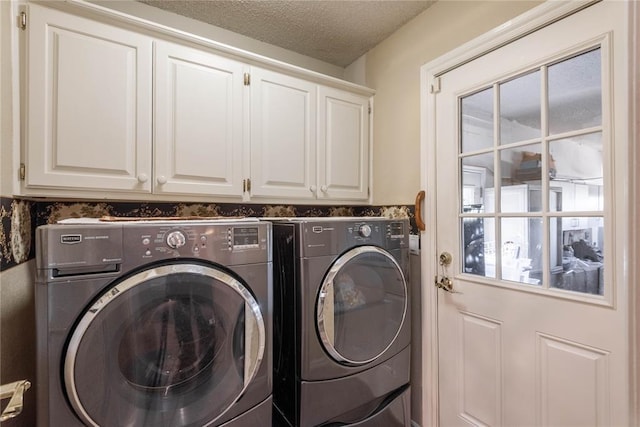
89,104
120,108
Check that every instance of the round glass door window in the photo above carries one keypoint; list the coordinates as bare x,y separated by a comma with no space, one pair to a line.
362,305
173,345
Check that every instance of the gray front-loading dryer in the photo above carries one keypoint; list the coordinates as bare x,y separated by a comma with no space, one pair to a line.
154,323
341,322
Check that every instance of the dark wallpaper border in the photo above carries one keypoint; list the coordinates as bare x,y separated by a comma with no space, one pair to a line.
20,218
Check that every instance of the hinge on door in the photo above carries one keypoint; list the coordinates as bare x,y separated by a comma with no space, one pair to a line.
435,86
247,79
22,172
22,23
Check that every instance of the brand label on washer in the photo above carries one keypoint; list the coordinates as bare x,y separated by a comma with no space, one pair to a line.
70,239
320,229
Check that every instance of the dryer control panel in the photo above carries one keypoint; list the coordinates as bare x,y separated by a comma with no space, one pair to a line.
329,236
365,233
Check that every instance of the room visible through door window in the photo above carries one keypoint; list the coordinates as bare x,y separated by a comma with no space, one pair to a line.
532,184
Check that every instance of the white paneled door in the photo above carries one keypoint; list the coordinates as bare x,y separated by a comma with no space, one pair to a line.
531,148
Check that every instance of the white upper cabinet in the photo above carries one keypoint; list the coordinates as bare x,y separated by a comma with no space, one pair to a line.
308,141
283,136
343,142
89,105
156,115
198,122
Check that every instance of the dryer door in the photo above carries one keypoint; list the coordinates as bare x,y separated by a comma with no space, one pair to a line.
361,305
172,345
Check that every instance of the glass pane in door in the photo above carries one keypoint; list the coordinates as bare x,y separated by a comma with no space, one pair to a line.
520,109
477,182
477,121
575,93
521,250
521,169
581,265
479,246
580,172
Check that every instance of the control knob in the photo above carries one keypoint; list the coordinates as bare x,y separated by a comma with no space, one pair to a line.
364,230
176,239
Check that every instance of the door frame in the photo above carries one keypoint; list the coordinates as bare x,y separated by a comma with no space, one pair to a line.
514,29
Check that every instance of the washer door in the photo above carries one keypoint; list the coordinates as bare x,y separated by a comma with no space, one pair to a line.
173,345
361,305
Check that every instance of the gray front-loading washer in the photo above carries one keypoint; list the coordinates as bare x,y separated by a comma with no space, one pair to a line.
154,323
342,327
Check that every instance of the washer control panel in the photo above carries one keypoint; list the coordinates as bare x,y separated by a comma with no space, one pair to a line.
109,248
364,230
225,242
176,239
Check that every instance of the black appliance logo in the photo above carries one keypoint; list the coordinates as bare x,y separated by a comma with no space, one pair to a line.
70,239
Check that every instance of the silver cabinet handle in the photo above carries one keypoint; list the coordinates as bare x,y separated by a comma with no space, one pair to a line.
15,391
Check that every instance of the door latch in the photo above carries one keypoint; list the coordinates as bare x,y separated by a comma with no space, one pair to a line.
444,282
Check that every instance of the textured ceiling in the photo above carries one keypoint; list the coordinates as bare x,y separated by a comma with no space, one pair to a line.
334,31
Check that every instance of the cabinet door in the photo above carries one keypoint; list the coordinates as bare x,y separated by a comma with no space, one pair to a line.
343,145
283,136
89,104
198,122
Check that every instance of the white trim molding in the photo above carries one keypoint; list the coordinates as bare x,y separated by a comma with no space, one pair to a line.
634,158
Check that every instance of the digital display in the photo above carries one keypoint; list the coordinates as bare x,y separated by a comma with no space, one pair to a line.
396,230
245,237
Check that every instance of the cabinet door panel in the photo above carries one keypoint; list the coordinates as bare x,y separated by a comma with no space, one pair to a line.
198,123
344,145
89,105
283,136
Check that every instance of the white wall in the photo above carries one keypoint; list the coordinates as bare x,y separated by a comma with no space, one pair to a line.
356,72
17,335
393,70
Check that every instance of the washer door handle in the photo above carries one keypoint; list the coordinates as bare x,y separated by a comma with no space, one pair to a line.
254,339
326,313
